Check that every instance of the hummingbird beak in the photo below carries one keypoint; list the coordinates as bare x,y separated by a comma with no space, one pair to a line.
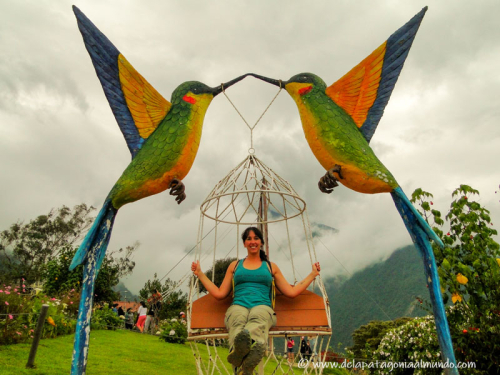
276,82
218,89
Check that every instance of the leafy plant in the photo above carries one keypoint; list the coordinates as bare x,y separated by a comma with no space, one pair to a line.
173,331
105,318
469,274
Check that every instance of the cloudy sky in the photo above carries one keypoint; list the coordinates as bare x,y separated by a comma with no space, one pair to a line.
60,144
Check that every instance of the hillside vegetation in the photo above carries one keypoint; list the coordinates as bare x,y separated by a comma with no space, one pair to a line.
383,291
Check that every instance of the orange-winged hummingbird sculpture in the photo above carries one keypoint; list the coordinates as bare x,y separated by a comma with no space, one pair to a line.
339,122
163,138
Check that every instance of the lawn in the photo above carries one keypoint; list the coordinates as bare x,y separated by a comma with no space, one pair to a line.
110,352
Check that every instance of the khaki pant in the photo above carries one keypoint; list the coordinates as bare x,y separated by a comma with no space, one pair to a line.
257,320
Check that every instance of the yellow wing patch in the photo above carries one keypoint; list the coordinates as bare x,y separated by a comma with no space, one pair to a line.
356,91
146,105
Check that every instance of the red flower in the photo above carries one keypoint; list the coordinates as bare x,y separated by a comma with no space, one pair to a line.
465,197
448,233
431,203
464,331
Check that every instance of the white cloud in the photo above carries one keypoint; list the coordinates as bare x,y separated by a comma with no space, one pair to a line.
60,144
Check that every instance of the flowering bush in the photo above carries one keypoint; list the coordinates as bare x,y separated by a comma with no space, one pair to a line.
469,273
19,315
411,342
173,331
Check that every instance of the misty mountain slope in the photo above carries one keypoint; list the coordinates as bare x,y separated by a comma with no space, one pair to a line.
383,291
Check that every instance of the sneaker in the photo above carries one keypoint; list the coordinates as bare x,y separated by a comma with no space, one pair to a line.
242,344
253,358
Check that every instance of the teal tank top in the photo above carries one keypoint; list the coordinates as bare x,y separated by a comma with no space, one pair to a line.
252,287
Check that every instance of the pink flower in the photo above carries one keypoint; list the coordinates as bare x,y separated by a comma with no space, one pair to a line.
18,293
1,291
72,290
19,333
15,290
23,279
11,317
31,330
7,292
6,303
25,326
24,291
31,336
71,303
52,299
24,286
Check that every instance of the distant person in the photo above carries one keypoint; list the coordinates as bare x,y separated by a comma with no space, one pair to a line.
114,308
308,351
141,311
182,317
302,346
120,311
153,311
290,343
129,319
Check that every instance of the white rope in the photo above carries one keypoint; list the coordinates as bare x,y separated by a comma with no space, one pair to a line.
258,120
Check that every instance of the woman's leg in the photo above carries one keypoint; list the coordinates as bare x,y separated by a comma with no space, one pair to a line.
235,320
260,319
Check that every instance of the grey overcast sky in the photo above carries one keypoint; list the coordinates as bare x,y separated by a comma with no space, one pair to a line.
60,144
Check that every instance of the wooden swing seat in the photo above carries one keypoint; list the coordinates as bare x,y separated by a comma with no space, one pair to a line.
304,313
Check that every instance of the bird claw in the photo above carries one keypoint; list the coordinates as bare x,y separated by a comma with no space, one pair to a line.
328,182
177,188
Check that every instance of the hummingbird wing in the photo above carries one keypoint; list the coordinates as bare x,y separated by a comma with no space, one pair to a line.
365,91
137,106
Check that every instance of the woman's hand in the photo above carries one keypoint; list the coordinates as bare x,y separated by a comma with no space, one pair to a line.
315,269
195,267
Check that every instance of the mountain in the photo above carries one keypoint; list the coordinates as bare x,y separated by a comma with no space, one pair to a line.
382,291
125,293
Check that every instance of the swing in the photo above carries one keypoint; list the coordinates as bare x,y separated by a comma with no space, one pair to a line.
253,194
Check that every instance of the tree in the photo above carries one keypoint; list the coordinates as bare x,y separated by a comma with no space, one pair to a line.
25,249
174,301
58,279
469,273
221,266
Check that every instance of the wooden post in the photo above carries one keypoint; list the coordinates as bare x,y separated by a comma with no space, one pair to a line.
36,336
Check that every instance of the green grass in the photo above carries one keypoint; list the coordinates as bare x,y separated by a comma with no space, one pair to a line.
111,352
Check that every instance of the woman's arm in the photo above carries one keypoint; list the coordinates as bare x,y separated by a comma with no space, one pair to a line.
217,293
294,291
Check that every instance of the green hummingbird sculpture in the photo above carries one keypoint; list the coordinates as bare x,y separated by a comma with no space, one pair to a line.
163,138
339,122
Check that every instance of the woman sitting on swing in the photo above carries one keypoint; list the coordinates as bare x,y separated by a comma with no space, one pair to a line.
251,314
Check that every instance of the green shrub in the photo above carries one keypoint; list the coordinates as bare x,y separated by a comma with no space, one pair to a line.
105,318
173,331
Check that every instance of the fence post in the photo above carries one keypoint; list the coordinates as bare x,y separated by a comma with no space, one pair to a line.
36,336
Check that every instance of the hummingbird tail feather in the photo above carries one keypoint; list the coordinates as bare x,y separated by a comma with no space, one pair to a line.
100,229
91,253
421,236
406,206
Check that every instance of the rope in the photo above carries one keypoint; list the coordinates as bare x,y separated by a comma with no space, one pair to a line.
245,121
